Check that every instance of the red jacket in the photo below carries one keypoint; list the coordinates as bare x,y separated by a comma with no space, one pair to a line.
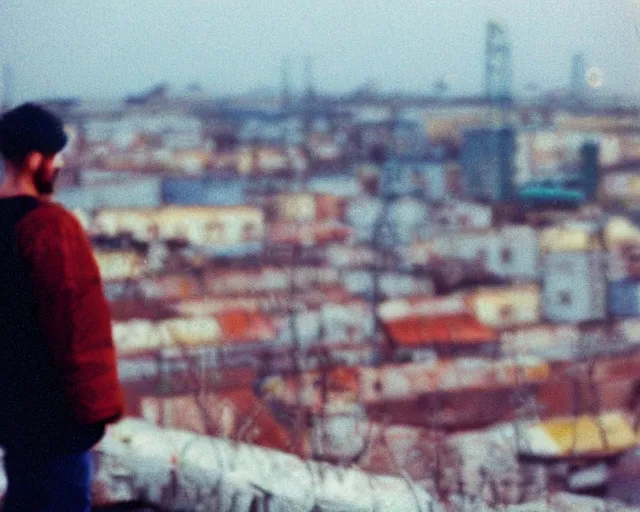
73,311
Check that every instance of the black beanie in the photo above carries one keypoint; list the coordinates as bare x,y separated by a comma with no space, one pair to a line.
27,128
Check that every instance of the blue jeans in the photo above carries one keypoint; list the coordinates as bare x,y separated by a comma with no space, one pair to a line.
57,484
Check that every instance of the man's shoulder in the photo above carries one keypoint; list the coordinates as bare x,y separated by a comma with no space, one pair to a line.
46,223
48,226
49,214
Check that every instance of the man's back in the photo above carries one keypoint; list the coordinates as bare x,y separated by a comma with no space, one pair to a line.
58,356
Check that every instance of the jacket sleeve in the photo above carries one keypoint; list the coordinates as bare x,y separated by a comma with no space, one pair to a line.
73,311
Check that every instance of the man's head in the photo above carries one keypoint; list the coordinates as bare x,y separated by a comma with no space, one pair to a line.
31,139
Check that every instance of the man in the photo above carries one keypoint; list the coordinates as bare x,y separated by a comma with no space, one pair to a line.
58,376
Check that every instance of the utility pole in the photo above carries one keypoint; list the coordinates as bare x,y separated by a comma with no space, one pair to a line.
285,84
309,78
310,95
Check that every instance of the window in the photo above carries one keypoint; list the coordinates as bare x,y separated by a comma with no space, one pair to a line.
565,298
216,231
506,255
249,232
506,313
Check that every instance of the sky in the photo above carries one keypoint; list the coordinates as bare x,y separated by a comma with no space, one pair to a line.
112,48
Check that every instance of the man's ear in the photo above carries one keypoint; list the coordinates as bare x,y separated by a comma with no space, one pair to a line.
33,161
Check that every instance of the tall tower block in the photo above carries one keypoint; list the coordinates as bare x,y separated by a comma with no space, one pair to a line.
578,82
498,63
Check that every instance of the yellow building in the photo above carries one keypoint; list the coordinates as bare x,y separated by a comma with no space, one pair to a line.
507,307
118,265
293,207
621,231
610,432
198,225
569,239
114,222
220,225
620,186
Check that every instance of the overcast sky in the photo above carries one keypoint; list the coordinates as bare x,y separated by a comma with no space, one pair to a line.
110,48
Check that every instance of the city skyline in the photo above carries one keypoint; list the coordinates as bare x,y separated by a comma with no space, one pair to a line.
107,50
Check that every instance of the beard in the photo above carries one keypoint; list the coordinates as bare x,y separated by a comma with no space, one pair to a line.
44,184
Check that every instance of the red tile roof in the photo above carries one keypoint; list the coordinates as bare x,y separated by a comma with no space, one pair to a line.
460,328
245,326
